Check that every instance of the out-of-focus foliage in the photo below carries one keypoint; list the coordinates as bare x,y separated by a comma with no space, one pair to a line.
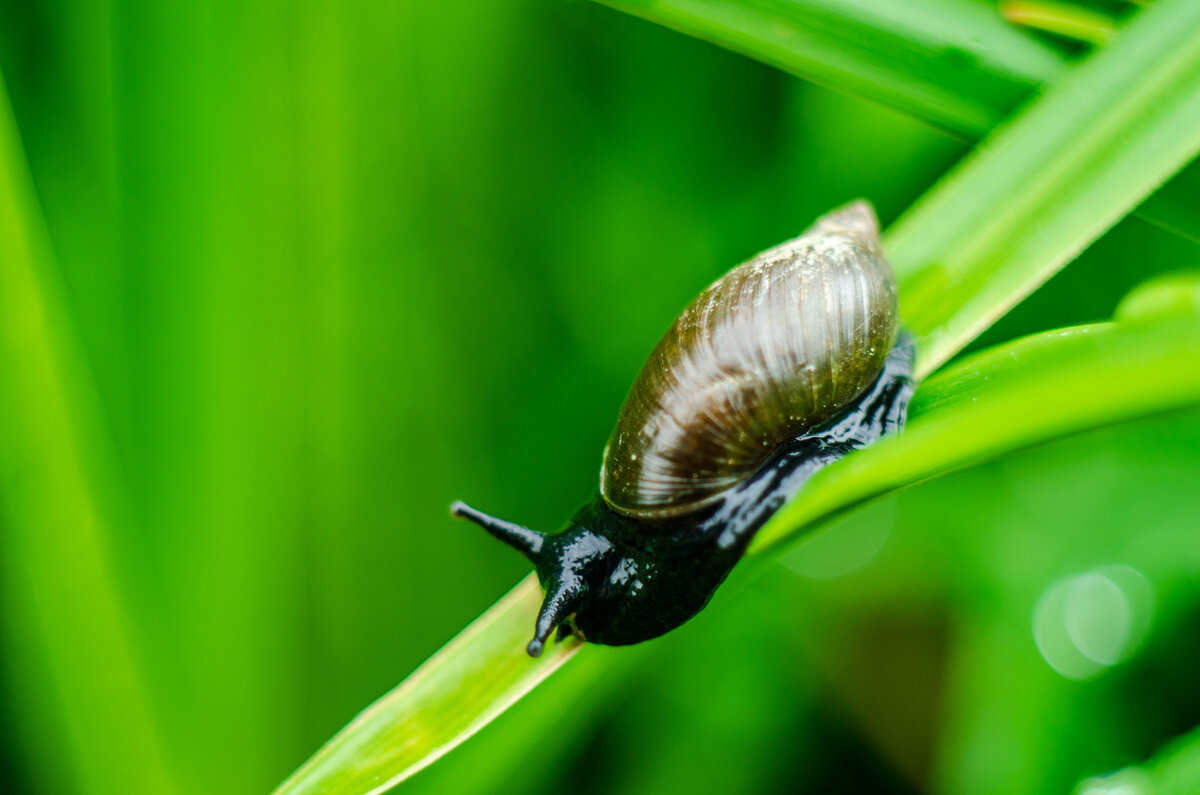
955,63
315,270
1062,171
1041,188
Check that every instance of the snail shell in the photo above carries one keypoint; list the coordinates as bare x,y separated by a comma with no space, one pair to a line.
777,346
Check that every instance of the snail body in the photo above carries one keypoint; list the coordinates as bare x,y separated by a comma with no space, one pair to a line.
785,364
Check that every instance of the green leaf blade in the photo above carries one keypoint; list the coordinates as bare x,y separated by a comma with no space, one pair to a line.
59,512
955,63
1048,184
958,65
1035,195
1030,391
1027,392
454,694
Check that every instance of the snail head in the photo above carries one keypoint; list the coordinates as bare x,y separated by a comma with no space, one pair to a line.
570,565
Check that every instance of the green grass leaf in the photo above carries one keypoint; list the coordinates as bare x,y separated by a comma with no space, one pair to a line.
1035,195
1050,182
956,63
56,578
457,692
1064,19
1015,396
1011,397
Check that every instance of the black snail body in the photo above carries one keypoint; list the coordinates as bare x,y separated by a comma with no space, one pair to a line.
782,366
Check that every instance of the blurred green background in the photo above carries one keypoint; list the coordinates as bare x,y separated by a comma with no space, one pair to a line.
328,267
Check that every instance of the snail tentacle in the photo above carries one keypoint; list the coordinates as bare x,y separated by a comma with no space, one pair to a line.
527,542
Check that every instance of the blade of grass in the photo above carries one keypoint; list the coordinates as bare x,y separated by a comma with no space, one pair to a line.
57,517
955,63
1004,399
1045,186
1024,393
454,694
1152,60
1063,19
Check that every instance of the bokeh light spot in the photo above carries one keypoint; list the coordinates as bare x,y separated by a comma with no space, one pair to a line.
1087,622
1097,617
846,546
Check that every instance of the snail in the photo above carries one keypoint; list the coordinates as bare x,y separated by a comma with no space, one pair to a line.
785,364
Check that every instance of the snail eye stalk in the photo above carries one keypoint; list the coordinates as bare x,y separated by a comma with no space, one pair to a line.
527,542
562,599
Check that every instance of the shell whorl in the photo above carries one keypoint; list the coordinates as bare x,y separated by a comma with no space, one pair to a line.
775,347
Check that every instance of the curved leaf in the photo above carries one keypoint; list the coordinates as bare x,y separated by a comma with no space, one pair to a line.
1011,397
1044,187
956,63
454,694
1020,394
1042,190
1007,398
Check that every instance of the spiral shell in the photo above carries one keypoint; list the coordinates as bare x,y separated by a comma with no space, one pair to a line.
777,346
